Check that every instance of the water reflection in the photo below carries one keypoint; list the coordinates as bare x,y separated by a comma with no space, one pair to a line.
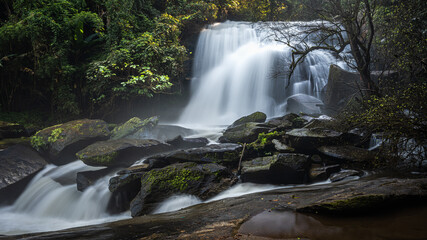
404,224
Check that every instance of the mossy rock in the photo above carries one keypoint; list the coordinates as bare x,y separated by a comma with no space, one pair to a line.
258,117
61,142
120,152
244,133
287,122
201,180
134,128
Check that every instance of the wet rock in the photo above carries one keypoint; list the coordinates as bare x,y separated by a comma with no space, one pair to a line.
343,174
283,168
244,133
134,128
257,117
225,153
357,156
124,187
203,181
12,130
304,103
183,143
322,173
281,147
289,121
88,178
120,152
60,143
307,140
18,162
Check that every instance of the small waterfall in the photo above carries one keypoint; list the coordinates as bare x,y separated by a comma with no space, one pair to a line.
240,69
51,202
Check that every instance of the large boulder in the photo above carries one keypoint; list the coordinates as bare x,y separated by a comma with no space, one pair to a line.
284,168
224,153
354,156
258,117
307,140
341,87
17,163
60,143
12,130
303,103
244,133
203,181
289,121
120,152
134,128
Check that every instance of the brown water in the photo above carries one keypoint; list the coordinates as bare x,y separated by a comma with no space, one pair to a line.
402,224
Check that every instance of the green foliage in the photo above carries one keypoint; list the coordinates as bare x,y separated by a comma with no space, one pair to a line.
55,135
264,139
37,142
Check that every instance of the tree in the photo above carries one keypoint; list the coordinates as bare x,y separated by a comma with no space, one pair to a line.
343,23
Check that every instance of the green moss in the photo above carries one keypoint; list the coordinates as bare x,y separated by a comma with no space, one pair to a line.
38,142
55,135
264,139
100,160
173,178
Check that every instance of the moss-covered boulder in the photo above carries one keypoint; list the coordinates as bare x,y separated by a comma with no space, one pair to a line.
60,143
120,152
203,181
225,153
307,140
12,130
134,128
244,133
258,117
284,168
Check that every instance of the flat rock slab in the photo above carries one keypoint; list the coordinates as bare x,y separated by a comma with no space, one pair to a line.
222,219
120,152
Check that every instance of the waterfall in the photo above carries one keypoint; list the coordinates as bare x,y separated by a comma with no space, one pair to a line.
51,202
239,69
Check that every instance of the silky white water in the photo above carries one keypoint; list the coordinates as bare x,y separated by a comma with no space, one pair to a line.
51,202
239,69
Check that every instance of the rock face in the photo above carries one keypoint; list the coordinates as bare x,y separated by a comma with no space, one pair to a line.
321,173
18,162
225,153
341,87
307,140
343,174
120,152
283,168
12,130
243,133
304,103
60,143
258,117
204,180
134,128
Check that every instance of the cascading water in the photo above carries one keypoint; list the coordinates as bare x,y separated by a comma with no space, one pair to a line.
51,202
240,69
